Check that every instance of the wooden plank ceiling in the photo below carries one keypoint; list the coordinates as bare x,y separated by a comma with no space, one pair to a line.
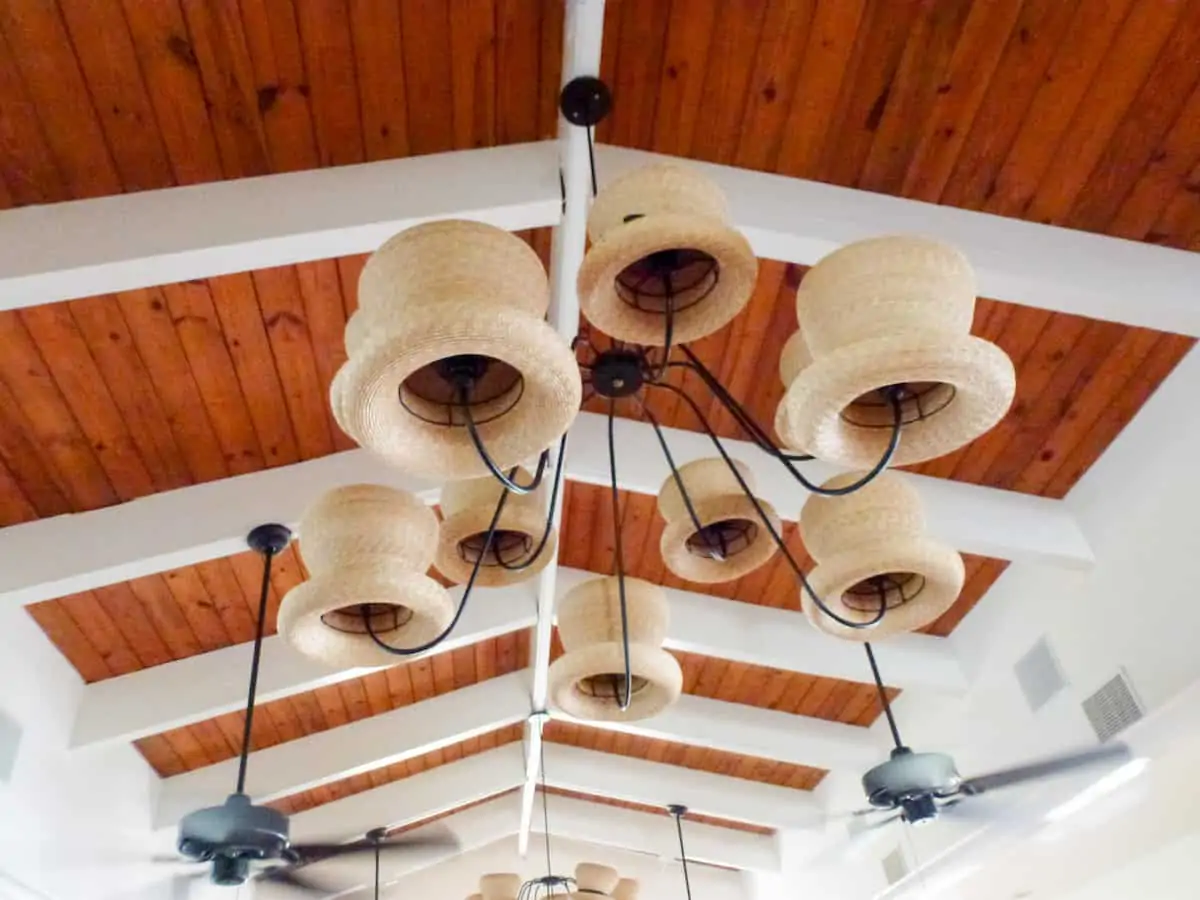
1081,114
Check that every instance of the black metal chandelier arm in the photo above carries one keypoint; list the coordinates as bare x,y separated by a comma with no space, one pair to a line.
883,698
464,403
626,698
554,495
462,604
683,493
766,520
264,593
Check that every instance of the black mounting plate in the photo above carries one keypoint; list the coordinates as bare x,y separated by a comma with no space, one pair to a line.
585,101
269,538
617,373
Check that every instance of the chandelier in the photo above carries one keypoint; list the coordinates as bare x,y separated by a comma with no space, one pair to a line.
454,374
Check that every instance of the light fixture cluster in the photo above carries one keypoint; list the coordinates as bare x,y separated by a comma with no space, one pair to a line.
591,881
453,374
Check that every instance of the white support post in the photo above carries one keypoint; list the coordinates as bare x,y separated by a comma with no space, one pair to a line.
582,35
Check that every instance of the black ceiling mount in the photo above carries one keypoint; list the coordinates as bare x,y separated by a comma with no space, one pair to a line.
618,373
271,538
585,101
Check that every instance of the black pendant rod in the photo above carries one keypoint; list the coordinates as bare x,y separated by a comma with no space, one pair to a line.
267,540
678,812
883,698
624,700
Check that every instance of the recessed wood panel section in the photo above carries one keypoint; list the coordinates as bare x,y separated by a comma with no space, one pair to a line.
220,738
337,790
655,810
701,759
589,544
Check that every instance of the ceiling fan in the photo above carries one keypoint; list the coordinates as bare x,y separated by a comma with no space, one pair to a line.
916,788
231,838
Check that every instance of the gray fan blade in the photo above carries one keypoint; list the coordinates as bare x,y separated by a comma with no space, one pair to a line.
285,876
313,852
1105,755
837,851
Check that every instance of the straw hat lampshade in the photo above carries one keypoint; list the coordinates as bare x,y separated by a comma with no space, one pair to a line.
442,305
588,680
626,889
499,886
871,545
661,232
367,548
889,313
592,879
733,541
467,510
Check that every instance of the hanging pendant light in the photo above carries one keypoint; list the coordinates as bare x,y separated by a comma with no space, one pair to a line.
870,549
614,667
499,886
712,531
594,880
890,319
367,548
661,240
524,541
449,351
627,889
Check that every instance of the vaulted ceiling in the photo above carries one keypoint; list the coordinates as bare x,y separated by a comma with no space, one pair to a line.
1077,113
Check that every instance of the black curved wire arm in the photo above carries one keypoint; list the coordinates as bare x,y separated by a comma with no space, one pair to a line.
554,491
462,604
771,529
759,436
464,402
619,558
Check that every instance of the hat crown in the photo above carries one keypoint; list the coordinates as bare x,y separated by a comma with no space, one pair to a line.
889,507
703,479
366,525
590,613
596,879
499,886
885,287
655,190
452,260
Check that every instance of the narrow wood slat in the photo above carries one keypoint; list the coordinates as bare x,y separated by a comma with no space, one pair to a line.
425,30
688,35
329,64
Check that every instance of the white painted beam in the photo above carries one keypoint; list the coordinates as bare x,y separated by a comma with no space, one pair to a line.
974,519
647,833
348,750
77,249
211,520
583,31
750,731
189,690
413,799
658,784
199,687
1029,263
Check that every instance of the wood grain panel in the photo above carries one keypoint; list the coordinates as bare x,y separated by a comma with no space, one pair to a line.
588,543
220,738
337,790
701,759
653,810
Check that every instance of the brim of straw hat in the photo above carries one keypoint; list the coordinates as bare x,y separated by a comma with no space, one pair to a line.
940,566
623,246
475,521
300,613
810,416
365,392
685,564
659,669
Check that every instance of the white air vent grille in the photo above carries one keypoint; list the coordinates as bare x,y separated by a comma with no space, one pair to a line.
1113,708
894,866
1039,675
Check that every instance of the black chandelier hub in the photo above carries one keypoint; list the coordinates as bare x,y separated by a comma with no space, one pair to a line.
617,373
271,538
377,835
677,809
463,370
585,101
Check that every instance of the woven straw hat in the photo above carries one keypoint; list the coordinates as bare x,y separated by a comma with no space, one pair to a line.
626,889
367,547
658,222
448,296
871,543
499,886
467,510
892,311
592,879
586,680
729,518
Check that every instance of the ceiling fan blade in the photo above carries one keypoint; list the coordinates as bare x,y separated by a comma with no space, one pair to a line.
408,843
285,876
1104,755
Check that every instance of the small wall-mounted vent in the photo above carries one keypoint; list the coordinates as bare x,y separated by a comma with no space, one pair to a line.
1113,708
1039,675
894,866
